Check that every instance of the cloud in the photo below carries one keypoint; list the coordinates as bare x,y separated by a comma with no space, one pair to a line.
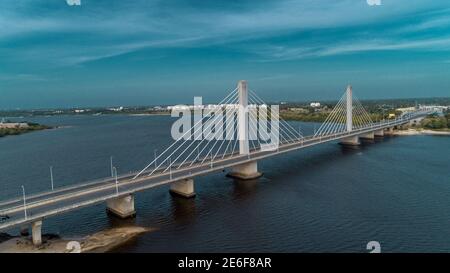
274,53
265,28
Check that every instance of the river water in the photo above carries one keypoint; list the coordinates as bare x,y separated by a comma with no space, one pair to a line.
322,199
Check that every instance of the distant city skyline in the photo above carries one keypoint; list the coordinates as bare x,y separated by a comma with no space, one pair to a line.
103,53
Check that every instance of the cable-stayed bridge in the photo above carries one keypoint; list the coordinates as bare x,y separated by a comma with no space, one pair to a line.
234,135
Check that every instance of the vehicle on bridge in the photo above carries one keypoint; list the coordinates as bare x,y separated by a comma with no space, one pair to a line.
3,218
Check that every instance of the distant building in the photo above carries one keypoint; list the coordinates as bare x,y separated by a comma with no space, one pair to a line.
436,107
314,104
116,109
299,110
406,109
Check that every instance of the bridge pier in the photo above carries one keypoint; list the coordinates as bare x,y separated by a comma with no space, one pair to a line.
183,188
36,233
122,207
368,136
379,133
351,141
389,131
246,171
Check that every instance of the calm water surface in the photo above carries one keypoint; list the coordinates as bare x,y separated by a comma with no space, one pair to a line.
322,199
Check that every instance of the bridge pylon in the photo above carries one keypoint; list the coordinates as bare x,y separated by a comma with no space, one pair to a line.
354,140
249,170
242,119
349,108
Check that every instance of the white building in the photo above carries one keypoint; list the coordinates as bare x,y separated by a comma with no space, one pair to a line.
116,109
314,104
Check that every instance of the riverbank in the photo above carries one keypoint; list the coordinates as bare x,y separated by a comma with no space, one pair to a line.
10,129
102,241
413,132
150,114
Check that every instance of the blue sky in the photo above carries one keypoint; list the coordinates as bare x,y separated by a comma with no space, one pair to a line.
148,52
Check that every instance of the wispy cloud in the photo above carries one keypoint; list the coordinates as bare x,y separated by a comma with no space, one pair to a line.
147,42
100,30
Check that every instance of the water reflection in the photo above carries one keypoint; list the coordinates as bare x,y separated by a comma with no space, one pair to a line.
115,221
244,188
183,210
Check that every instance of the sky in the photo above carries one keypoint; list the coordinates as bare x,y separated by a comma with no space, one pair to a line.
86,53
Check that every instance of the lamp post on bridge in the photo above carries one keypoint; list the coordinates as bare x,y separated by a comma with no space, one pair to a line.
211,158
154,152
111,166
170,168
117,182
24,203
51,177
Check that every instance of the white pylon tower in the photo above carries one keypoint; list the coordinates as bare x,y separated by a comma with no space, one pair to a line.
349,108
242,118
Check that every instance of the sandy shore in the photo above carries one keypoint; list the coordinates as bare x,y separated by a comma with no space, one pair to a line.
414,132
102,241
148,114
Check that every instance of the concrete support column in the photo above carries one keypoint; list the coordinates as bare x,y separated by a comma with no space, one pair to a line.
351,141
122,207
184,188
389,131
36,233
242,118
245,171
349,109
369,136
379,133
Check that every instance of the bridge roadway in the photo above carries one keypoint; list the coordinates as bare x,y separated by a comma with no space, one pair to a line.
46,204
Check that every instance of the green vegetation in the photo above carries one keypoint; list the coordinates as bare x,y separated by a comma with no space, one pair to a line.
311,115
435,122
377,112
21,130
300,116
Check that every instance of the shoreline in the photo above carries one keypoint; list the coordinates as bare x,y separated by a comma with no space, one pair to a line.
148,114
415,132
102,241
29,128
